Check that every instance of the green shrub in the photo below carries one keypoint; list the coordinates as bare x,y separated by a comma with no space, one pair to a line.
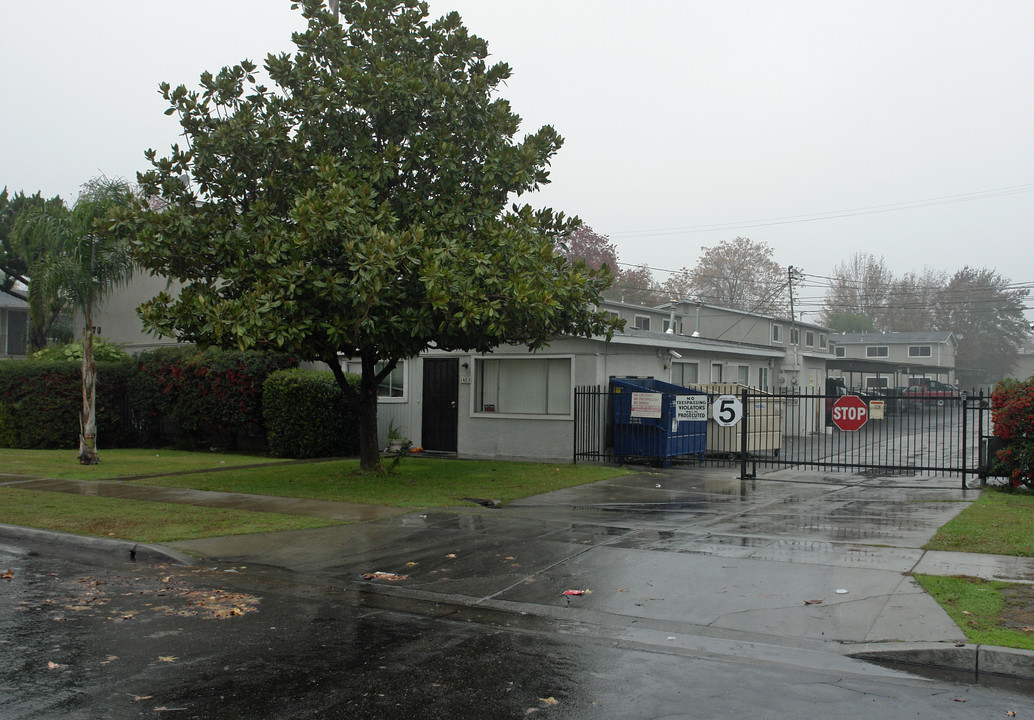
213,396
44,398
308,416
103,351
8,428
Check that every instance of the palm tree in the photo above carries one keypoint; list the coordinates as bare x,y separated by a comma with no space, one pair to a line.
84,262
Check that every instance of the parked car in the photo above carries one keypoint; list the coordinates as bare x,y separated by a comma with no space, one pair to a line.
931,394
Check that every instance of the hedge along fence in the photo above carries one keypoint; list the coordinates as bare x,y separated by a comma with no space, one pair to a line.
307,415
40,403
212,398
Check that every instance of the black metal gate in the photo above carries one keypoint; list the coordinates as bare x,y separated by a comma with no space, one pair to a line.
903,434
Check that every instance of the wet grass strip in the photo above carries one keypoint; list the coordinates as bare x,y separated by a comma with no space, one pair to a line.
416,483
989,612
1000,522
138,520
116,463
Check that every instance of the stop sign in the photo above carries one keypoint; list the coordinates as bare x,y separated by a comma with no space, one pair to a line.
850,412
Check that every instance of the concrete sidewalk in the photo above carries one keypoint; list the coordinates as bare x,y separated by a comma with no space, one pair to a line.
817,563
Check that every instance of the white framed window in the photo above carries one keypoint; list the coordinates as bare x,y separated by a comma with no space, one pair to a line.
685,373
678,325
920,351
841,351
743,374
877,351
642,322
822,341
809,338
716,372
762,378
523,386
392,388
777,333
795,336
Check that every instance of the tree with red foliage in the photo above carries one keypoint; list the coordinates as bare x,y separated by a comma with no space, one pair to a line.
1012,412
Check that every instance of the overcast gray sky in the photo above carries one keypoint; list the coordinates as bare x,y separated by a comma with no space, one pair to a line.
903,128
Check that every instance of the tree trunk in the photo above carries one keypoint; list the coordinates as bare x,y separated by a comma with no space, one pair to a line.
88,419
366,403
369,449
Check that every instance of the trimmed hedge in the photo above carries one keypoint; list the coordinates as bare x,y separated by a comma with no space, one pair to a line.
307,415
177,395
213,397
42,402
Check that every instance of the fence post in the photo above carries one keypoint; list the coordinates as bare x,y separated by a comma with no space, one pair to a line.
743,436
983,460
965,435
574,450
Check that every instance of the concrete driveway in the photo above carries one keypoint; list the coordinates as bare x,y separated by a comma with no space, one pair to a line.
805,559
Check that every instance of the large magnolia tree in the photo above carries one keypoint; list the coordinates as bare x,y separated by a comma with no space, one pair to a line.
359,205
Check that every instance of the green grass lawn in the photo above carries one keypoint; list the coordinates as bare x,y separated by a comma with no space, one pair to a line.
116,463
988,612
1000,522
148,522
416,482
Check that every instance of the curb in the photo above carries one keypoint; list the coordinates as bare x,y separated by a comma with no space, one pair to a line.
976,659
979,660
122,549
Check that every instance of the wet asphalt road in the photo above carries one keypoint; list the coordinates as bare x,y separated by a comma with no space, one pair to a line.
121,640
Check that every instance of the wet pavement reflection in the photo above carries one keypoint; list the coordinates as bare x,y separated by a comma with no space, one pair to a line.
137,641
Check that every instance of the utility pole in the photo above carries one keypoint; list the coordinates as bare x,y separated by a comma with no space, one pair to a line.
792,274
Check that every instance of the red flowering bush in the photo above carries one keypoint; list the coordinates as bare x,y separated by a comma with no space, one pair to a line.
212,396
1012,412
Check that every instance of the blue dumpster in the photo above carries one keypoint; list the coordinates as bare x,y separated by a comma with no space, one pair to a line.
645,422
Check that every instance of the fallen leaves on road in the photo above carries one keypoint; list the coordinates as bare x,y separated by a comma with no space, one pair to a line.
812,602
547,702
451,556
7,575
168,658
138,698
1010,713
51,665
958,699
180,596
384,576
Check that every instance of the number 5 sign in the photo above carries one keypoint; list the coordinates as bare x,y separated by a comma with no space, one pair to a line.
727,410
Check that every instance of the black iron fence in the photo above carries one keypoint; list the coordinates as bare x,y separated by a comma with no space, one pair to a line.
895,433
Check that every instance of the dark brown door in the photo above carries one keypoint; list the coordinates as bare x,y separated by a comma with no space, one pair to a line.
440,415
